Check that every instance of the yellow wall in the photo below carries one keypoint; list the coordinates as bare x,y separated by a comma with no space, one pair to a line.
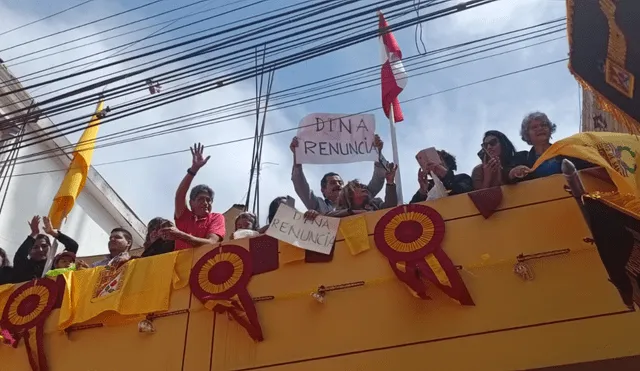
569,313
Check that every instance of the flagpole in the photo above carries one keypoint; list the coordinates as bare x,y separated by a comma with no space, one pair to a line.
396,158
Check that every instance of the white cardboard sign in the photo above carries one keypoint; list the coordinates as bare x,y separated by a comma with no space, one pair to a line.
326,138
288,225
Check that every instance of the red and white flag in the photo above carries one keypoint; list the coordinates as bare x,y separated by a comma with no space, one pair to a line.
394,77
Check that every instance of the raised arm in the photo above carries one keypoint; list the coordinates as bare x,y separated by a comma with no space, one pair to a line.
391,193
198,160
300,184
377,179
69,243
21,256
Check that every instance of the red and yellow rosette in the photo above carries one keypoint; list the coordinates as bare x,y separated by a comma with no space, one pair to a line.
28,307
410,236
219,280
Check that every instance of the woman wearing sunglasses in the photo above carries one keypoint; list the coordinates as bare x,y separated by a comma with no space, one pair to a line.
497,154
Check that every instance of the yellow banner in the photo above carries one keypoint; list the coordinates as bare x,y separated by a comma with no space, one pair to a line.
76,176
615,152
115,296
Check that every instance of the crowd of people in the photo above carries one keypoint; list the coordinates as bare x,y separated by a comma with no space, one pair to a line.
197,225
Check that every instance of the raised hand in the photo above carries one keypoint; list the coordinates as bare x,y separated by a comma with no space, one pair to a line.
391,173
294,144
34,224
378,143
48,228
492,166
198,160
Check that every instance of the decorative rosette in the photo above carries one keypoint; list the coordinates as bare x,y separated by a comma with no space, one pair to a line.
411,236
219,280
28,307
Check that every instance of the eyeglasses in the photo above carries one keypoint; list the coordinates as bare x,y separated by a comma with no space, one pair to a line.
493,142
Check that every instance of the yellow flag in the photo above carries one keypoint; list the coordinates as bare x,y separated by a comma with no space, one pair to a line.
355,233
118,296
616,152
76,176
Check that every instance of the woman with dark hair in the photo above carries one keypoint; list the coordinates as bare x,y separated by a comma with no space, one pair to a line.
273,208
6,270
31,257
497,154
154,243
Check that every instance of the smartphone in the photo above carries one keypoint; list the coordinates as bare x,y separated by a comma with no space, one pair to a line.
482,154
383,161
428,155
291,202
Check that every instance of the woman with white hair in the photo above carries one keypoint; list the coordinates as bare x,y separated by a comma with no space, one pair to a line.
536,130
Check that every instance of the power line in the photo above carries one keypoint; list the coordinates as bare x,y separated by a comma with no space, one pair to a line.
45,18
119,35
191,55
296,128
138,84
82,25
354,76
374,82
119,50
22,79
292,59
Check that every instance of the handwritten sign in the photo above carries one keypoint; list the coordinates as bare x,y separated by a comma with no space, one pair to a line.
325,138
288,225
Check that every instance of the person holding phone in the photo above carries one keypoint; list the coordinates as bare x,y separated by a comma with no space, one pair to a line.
497,154
445,171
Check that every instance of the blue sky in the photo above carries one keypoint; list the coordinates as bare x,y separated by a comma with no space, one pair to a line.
453,121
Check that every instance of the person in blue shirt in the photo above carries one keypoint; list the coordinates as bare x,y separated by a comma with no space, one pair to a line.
537,130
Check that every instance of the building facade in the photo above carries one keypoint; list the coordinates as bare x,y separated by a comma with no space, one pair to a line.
28,185
596,119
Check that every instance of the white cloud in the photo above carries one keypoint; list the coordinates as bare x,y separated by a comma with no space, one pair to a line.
453,121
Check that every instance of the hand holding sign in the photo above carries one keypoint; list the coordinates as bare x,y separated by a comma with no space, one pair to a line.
298,229
391,173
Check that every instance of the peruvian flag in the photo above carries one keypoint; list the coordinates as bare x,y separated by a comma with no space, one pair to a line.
394,77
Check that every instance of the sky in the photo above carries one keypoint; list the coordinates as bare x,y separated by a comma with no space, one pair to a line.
454,120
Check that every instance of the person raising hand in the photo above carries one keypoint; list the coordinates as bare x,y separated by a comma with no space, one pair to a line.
196,224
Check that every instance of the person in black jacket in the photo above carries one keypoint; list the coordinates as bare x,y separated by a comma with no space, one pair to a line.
31,257
6,270
154,244
454,183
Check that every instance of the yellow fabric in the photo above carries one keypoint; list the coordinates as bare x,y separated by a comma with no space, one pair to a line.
182,269
5,291
435,266
288,253
145,288
76,176
355,233
614,151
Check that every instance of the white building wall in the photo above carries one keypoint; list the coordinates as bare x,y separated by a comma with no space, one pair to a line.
97,210
88,223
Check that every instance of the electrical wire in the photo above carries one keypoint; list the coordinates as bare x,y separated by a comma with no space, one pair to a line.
46,17
281,66
82,25
244,139
48,73
358,38
332,84
316,90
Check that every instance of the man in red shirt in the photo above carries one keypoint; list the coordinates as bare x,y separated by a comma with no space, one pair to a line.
197,225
